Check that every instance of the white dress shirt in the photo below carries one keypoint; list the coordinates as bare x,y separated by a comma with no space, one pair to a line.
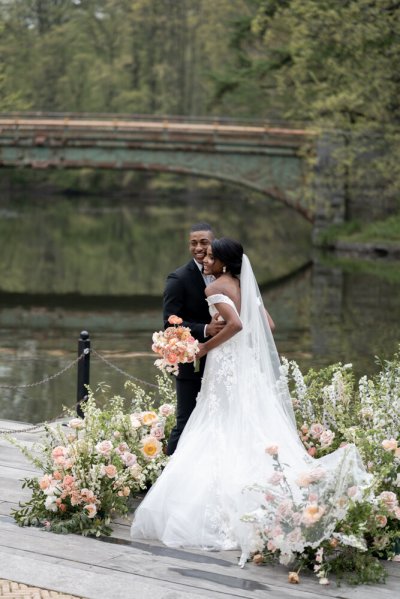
207,279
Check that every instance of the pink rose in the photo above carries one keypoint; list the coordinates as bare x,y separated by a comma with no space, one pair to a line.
352,491
157,431
326,438
129,459
276,478
316,430
59,454
317,474
311,451
295,536
166,409
122,448
380,520
389,499
104,448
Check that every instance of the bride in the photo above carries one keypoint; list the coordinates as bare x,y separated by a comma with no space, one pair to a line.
241,437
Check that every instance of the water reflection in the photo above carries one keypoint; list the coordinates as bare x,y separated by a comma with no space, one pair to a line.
323,314
100,265
126,246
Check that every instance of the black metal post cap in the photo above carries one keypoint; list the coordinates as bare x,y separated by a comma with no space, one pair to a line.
84,336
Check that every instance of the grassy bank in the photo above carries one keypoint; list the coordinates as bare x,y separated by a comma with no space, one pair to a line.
382,231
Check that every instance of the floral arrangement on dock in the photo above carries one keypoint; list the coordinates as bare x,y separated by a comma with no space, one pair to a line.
175,345
92,466
332,411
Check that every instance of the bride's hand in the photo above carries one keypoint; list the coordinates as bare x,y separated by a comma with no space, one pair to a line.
202,351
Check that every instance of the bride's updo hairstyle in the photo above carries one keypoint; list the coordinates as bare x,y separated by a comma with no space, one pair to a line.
230,252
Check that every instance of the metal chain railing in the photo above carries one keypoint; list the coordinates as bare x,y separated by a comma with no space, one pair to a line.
40,425
48,378
133,378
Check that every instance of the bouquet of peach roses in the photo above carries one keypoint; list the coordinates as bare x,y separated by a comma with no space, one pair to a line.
175,345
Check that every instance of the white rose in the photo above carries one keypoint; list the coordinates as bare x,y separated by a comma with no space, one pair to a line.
50,503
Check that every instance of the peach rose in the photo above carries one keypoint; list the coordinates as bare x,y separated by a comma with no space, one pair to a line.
135,471
174,319
91,510
303,480
76,423
110,471
45,482
272,449
293,578
87,496
312,513
389,444
68,480
149,418
311,451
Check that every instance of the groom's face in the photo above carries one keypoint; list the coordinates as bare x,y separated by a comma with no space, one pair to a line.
198,244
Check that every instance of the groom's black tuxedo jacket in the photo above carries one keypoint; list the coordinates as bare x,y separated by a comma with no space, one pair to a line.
184,296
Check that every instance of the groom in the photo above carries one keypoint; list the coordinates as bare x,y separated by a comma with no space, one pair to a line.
184,296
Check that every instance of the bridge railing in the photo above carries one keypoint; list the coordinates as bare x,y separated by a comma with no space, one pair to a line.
160,119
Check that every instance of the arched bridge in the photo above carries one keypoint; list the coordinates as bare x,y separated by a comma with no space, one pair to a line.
261,157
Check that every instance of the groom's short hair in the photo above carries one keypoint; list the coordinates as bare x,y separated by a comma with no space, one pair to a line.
200,227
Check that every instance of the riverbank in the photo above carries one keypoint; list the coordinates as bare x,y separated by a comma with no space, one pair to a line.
380,239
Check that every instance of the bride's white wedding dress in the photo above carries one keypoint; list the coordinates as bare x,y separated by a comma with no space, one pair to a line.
243,407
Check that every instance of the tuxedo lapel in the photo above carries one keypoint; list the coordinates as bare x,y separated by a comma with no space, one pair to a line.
197,276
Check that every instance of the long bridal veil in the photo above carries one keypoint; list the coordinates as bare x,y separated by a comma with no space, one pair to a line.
300,499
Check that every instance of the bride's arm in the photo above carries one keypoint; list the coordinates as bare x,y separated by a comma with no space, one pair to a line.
233,325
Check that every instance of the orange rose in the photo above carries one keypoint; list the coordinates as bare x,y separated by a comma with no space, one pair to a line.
174,319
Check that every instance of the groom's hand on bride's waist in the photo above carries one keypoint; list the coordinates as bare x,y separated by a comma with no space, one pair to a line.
215,326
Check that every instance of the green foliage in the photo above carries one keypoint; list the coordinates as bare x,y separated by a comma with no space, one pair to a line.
90,468
127,56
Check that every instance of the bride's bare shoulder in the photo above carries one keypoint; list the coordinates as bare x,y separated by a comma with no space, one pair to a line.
214,288
225,287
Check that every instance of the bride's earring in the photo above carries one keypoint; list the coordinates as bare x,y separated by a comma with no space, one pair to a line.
224,269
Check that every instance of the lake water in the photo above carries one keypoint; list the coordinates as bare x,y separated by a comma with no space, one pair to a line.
69,264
